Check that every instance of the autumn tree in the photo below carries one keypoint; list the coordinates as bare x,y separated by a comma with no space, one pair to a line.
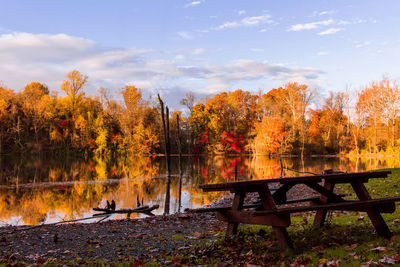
297,98
73,86
391,104
35,104
188,102
269,136
370,103
139,121
6,113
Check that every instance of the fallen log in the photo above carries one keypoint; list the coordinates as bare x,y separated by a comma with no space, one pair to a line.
143,209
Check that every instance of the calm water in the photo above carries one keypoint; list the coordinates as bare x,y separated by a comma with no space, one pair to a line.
34,191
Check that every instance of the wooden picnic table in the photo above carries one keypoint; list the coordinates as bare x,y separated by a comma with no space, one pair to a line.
269,211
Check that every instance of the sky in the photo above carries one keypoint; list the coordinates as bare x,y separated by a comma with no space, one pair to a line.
204,46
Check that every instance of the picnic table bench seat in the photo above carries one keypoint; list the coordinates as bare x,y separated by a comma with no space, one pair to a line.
270,210
256,204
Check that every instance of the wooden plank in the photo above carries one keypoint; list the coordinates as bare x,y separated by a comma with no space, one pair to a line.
347,205
283,237
376,218
307,199
245,217
213,209
268,203
320,216
255,205
280,194
331,197
338,178
383,208
236,205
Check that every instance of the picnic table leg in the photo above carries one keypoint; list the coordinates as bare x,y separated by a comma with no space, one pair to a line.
320,216
376,218
280,232
236,205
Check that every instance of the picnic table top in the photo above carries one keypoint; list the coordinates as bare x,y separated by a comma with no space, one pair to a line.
335,177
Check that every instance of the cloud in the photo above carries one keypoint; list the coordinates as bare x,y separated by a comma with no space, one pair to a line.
224,77
330,31
193,3
344,22
353,21
241,12
322,53
4,30
185,35
32,46
325,12
227,25
48,58
363,44
310,26
198,51
322,13
246,22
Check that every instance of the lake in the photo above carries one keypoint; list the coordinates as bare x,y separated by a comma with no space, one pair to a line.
45,190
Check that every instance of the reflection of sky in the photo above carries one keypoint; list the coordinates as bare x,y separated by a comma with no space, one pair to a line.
14,220
51,202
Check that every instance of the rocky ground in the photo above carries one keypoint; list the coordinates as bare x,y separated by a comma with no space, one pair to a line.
153,238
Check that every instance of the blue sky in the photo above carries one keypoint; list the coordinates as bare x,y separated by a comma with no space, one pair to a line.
204,46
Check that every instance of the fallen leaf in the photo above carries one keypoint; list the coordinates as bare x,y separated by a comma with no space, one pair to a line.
387,260
379,249
40,260
197,235
333,263
396,257
322,261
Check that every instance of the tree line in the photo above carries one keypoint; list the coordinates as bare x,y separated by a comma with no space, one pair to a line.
282,121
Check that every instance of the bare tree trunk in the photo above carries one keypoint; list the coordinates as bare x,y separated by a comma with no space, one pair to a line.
356,142
165,122
303,141
375,136
178,141
393,132
1,142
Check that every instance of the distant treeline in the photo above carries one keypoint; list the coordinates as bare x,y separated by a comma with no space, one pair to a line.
278,122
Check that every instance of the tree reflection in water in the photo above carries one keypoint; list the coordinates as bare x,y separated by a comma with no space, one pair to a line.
46,190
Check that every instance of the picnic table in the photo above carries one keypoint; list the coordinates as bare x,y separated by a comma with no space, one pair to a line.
270,210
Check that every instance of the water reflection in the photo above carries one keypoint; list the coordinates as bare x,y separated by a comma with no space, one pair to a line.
38,190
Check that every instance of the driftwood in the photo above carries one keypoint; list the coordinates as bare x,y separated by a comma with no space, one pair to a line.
105,215
143,209
102,216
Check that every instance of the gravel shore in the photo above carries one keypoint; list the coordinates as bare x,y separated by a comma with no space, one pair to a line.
154,238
